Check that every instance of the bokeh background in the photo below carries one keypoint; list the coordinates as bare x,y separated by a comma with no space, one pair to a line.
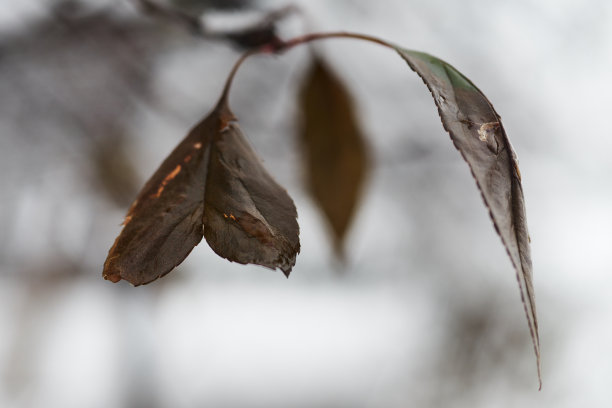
424,312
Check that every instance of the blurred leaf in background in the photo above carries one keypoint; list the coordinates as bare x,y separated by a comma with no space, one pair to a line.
336,160
113,169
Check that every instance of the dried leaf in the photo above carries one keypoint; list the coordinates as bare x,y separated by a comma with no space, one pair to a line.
211,185
248,218
335,154
477,132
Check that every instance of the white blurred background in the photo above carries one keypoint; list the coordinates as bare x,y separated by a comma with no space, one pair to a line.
426,311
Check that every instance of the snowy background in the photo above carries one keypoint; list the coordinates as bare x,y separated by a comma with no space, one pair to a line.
425,313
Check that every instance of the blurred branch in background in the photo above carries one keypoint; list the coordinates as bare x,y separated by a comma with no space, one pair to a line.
71,83
191,14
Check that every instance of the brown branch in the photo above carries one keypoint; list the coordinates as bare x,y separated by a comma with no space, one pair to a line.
193,24
253,36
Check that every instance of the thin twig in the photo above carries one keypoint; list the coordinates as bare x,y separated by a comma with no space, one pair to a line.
280,46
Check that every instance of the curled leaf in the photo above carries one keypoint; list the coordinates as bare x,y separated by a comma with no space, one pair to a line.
335,154
213,185
477,132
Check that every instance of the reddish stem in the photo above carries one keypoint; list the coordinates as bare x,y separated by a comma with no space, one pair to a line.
337,34
283,46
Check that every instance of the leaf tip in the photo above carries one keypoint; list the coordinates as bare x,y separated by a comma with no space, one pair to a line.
539,369
112,276
286,264
110,271
340,250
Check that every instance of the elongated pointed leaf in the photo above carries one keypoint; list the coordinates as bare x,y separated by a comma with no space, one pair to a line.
211,185
477,132
335,155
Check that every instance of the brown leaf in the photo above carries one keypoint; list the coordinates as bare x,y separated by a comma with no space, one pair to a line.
336,160
477,132
211,185
248,218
